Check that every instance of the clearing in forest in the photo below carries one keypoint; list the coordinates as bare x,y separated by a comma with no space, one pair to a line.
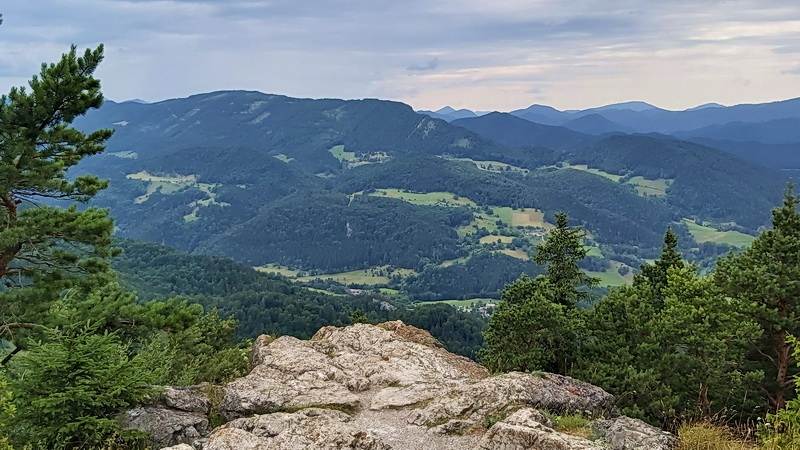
703,233
425,199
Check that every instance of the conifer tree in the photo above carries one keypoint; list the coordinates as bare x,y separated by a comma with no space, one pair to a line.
537,324
560,252
40,243
765,282
656,274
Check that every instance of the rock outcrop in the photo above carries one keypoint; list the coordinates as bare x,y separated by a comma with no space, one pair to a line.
388,386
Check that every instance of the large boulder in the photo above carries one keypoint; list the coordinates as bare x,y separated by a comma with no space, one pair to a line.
309,428
166,426
625,433
388,386
527,429
468,405
338,363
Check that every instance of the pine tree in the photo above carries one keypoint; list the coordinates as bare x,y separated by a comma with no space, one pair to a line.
537,323
528,331
765,282
656,274
560,252
69,390
41,243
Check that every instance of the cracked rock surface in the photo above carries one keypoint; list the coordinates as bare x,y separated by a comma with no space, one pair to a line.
393,386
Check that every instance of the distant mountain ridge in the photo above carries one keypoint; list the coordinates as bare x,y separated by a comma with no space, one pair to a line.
333,186
643,117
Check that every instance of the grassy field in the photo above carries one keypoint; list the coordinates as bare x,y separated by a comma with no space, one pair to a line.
643,186
468,303
593,251
481,221
272,268
494,239
650,187
703,234
425,199
519,254
338,152
451,262
611,277
368,276
529,217
125,155
208,189
285,158
323,291
163,184
494,166
599,172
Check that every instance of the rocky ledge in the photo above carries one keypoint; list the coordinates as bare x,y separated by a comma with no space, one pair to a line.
386,386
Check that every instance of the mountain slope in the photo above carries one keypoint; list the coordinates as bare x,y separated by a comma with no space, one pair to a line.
595,124
514,131
779,131
706,182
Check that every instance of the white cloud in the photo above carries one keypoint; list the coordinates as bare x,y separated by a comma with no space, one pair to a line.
586,52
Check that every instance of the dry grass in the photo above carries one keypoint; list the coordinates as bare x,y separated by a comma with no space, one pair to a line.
707,436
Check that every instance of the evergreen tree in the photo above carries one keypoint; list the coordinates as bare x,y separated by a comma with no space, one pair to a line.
528,331
671,347
40,244
69,390
765,282
560,252
656,274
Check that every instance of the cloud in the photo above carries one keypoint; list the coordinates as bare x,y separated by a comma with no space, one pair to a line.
432,64
583,53
793,71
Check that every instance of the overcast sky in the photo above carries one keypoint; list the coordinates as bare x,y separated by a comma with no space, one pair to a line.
477,54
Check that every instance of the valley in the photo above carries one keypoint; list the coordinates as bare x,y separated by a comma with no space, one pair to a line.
371,194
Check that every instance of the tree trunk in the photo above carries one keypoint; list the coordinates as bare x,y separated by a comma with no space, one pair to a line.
782,378
7,254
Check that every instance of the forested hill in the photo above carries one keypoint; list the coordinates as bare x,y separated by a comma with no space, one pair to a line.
370,193
723,186
517,132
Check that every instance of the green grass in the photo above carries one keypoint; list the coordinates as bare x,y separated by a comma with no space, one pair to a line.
324,291
491,239
166,184
125,155
338,152
283,157
364,276
585,168
702,233
425,199
706,436
468,303
388,291
611,276
519,254
272,268
207,189
645,187
481,220
494,166
593,251
451,262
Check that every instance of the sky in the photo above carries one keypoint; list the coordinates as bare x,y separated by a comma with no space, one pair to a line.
477,54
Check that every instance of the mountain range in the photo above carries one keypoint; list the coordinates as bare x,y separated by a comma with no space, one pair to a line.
766,133
369,192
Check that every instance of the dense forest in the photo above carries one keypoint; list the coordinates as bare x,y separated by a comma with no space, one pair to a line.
92,324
